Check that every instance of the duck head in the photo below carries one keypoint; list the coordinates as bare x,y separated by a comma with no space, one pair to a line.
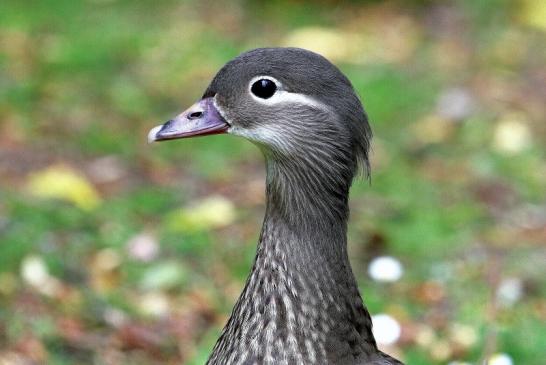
304,115
293,103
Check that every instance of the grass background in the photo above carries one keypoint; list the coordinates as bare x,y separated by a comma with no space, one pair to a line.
113,252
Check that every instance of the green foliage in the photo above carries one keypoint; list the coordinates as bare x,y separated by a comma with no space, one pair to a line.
148,273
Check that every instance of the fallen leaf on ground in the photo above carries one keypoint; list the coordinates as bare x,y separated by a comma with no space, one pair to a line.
64,183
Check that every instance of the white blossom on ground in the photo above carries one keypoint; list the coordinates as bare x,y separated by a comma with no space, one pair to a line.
512,134
386,329
143,247
500,359
34,270
510,290
35,273
385,268
455,103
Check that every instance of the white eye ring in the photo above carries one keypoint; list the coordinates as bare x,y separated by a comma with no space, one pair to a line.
257,78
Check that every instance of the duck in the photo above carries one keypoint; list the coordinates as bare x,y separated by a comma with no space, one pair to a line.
301,303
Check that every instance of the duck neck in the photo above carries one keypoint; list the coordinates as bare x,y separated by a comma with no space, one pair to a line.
305,220
301,300
313,194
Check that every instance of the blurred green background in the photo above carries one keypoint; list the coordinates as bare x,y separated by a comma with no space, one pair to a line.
114,251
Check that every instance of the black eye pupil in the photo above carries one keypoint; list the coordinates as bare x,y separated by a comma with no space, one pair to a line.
264,88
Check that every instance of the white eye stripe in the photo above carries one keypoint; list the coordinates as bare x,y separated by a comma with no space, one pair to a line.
283,96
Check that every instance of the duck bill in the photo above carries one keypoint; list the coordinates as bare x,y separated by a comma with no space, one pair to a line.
201,119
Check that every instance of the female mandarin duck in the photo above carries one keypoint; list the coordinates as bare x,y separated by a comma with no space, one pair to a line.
301,303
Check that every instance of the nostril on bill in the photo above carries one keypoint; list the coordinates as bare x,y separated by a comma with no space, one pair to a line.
167,125
195,115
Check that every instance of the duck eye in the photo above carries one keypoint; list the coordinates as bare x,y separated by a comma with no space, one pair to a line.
263,88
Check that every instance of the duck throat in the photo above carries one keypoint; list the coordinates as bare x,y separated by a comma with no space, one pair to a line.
312,191
301,303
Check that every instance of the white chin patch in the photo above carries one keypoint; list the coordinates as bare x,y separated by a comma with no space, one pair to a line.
263,135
